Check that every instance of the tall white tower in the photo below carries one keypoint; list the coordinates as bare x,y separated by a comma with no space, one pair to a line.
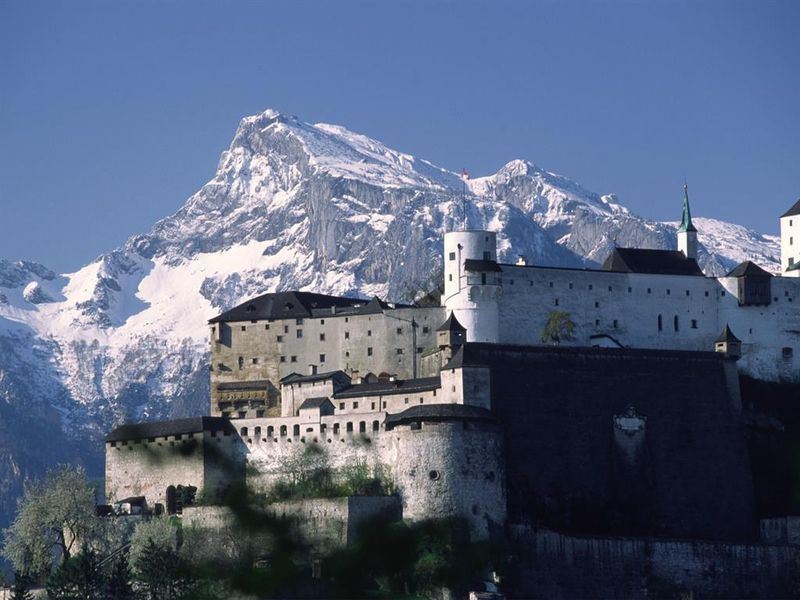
687,233
790,241
472,282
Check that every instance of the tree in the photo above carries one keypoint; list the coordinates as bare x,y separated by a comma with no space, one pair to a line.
21,589
559,327
160,531
119,586
78,578
161,572
54,514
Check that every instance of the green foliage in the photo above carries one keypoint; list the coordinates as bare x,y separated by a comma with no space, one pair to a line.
78,578
559,327
159,531
53,514
161,572
119,585
21,590
310,476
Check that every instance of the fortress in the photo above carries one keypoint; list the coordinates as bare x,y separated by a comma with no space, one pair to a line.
631,424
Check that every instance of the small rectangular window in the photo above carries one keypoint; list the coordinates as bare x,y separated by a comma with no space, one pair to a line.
255,361
384,404
630,289
597,322
452,256
279,338
266,326
687,292
341,405
419,349
610,289
347,335
283,359
668,292
399,351
597,305
694,323
244,328
322,321
556,303
369,351
487,255
399,331
449,277
322,358
615,324
426,329
591,287
551,284
299,333
321,337
285,329
294,359
355,405
347,353
649,291
369,332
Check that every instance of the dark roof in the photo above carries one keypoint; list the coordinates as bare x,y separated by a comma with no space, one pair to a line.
472,264
262,384
465,357
384,387
438,412
137,431
451,324
657,262
297,378
727,336
749,269
794,210
314,402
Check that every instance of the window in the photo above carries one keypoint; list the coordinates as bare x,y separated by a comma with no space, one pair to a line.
298,321
299,333
610,288
597,305
347,353
322,358
487,255
419,349
243,432
450,277
335,429
321,337
556,302
591,287
570,286
362,427
630,289
347,335
787,352
266,326
668,292
285,329
399,331
280,338
706,293
615,324
355,405
347,319
406,400
399,351
241,362
369,332
675,323
694,323
372,406
687,292
660,323
255,361
349,428
426,329
322,321
791,241
551,284
283,359
294,359
384,404
421,400
244,328
597,322
452,256
296,430
369,351
341,405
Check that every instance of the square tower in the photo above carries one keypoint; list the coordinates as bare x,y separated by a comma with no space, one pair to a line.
790,241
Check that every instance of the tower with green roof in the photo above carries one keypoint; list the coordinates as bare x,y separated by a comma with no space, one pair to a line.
687,232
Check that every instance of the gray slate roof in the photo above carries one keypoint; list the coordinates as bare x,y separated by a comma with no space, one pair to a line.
298,378
472,264
748,269
794,210
318,402
451,324
656,262
438,412
384,387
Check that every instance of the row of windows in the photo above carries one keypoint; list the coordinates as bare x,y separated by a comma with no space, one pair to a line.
283,430
675,323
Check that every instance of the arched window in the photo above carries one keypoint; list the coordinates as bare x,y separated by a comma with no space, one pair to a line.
376,426
335,429
270,431
362,427
283,430
349,427
660,323
296,430
257,434
172,500
675,322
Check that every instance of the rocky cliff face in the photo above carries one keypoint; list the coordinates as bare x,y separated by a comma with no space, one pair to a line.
291,206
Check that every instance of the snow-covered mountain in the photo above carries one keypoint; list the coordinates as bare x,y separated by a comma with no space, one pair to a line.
291,206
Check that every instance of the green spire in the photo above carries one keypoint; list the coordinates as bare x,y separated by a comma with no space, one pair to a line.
686,221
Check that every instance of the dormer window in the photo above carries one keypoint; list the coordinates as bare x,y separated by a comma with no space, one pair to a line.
251,308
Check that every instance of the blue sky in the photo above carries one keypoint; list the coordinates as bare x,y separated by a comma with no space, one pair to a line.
113,113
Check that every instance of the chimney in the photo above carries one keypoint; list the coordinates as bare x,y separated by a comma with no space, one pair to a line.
312,369
522,261
355,378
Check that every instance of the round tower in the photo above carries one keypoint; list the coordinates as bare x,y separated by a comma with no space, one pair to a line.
472,282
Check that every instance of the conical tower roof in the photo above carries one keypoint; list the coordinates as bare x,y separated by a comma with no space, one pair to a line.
451,324
686,220
727,336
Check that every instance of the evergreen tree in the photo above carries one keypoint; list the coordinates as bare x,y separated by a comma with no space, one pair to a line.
78,578
119,586
21,589
161,572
